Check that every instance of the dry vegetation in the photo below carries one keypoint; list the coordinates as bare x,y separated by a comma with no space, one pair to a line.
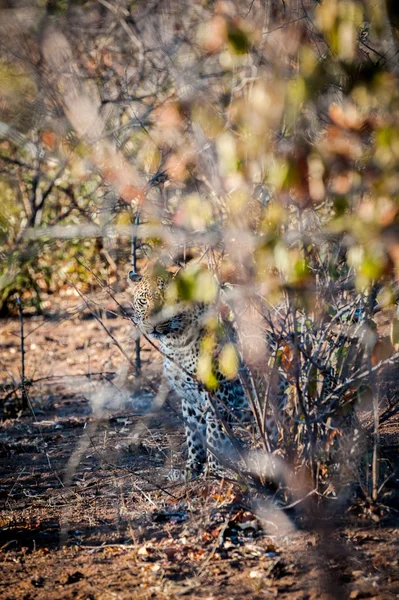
252,149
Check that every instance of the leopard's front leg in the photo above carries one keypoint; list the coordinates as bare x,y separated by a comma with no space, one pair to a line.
195,428
222,453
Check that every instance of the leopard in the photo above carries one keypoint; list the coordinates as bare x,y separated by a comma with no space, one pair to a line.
180,329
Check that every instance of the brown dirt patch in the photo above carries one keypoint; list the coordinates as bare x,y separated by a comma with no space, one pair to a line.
88,513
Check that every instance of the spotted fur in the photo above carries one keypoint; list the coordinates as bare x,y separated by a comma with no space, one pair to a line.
180,330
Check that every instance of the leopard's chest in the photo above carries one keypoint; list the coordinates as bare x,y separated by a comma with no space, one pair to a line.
180,368
184,383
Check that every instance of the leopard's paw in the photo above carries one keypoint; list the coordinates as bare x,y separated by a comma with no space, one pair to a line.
176,475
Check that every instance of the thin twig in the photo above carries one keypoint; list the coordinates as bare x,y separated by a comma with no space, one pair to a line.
24,394
135,247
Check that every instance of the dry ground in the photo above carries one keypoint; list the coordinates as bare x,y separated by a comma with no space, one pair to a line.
88,513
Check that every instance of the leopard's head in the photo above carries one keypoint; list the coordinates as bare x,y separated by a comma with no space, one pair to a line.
148,302
158,312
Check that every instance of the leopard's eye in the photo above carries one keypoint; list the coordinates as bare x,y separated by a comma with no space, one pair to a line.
141,301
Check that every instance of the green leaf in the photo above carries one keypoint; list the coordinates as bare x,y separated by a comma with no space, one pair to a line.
238,39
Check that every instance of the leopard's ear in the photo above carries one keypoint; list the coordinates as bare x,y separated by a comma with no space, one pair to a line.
134,277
